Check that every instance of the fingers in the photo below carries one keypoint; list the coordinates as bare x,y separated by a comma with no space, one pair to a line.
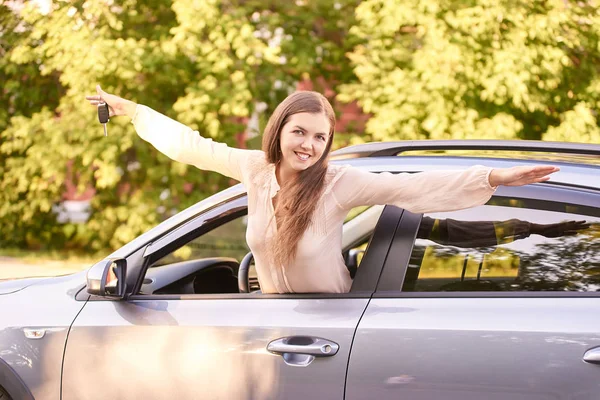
575,223
572,228
95,100
541,170
582,222
525,175
550,168
540,173
98,98
544,170
582,227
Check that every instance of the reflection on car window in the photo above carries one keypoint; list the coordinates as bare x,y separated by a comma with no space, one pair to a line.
227,240
508,245
359,225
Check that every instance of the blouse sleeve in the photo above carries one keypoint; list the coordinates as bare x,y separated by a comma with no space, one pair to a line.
181,143
419,192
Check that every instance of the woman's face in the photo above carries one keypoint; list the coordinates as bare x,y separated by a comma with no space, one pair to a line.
303,140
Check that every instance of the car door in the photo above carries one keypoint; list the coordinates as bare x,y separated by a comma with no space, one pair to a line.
495,302
219,346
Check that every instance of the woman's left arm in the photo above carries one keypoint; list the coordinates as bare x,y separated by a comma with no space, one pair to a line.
431,191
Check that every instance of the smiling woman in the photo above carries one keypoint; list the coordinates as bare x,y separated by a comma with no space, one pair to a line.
297,140
297,201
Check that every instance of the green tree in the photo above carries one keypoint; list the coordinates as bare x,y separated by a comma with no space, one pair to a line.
486,69
187,59
207,64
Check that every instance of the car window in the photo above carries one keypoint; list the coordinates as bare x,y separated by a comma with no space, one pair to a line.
172,275
207,263
226,240
359,225
229,239
510,244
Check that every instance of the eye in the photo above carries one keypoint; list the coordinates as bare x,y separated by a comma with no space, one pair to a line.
298,132
322,137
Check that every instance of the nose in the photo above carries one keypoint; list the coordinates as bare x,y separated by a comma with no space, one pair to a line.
306,143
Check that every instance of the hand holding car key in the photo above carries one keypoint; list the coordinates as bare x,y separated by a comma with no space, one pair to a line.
109,105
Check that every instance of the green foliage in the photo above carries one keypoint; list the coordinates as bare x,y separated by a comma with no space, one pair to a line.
25,90
206,64
421,69
143,51
486,69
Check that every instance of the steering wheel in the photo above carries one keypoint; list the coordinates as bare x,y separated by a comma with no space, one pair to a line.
243,285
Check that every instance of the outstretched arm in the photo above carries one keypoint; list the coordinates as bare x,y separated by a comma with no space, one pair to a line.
431,191
175,140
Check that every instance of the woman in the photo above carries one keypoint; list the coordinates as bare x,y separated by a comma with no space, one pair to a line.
296,200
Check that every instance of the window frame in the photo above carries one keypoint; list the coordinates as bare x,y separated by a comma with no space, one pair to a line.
193,228
363,286
393,276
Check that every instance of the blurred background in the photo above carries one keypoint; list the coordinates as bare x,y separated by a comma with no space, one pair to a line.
394,70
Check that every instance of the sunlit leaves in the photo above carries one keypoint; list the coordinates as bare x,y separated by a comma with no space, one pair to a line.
487,69
420,69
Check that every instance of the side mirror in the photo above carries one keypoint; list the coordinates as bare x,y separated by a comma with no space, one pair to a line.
107,278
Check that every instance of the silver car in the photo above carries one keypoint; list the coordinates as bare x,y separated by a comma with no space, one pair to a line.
495,302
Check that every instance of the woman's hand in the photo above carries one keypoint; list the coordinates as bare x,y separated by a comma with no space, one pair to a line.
116,105
564,228
519,176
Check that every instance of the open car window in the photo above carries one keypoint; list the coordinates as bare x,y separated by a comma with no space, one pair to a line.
226,240
208,262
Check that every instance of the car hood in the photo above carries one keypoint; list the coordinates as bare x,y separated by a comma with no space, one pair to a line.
14,285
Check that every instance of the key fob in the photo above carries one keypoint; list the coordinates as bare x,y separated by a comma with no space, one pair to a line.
103,113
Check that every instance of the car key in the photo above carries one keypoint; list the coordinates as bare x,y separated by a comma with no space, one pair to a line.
103,115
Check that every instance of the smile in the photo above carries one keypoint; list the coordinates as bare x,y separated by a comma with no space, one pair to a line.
302,156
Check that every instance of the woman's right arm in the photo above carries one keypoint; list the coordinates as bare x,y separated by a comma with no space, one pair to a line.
185,145
175,140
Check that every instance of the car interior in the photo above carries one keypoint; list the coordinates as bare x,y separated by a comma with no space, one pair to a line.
210,262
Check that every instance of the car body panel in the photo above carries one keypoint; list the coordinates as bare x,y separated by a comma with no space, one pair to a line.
203,348
472,345
49,307
211,347
475,348
14,285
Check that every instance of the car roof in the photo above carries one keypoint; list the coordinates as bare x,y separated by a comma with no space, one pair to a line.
382,149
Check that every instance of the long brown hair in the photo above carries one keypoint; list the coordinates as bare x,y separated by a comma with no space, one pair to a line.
298,198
